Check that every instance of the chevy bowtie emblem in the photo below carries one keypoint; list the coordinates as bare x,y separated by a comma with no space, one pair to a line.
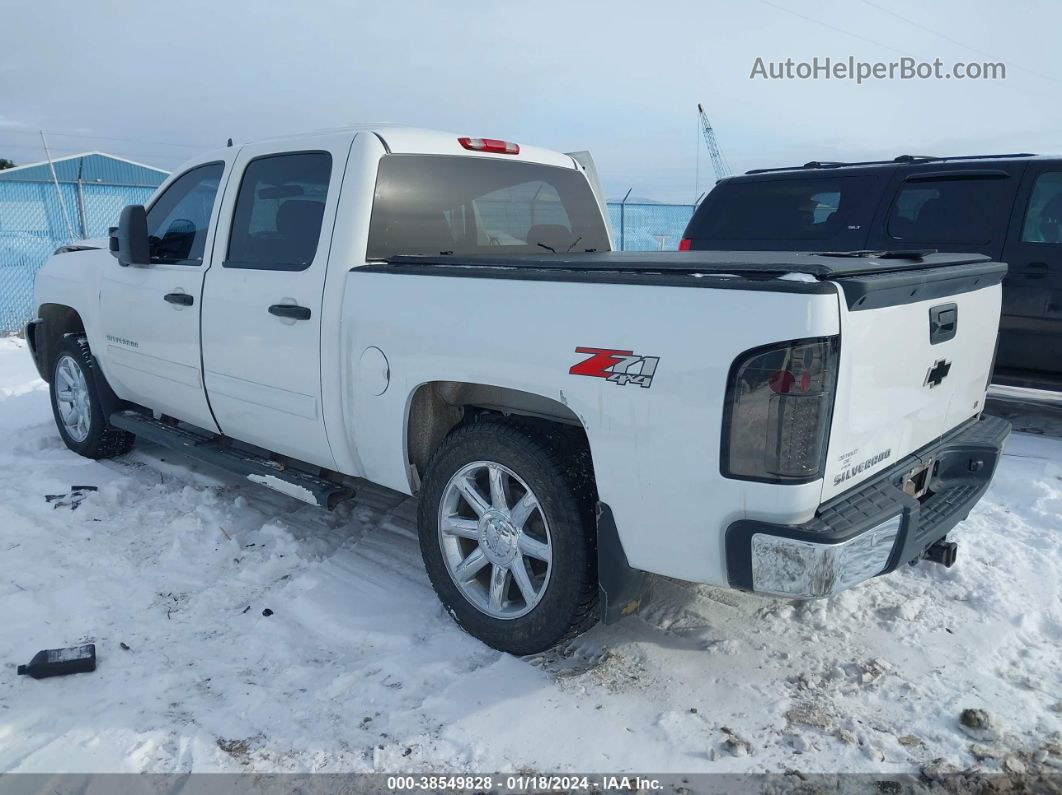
937,373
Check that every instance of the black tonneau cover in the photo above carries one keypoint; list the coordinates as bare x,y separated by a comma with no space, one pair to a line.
764,263
867,280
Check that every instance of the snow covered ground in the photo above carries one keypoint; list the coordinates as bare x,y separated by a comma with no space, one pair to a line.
358,668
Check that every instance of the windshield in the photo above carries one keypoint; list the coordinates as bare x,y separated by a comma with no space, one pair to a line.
439,204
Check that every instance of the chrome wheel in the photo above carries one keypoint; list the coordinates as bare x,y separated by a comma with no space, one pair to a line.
73,398
495,540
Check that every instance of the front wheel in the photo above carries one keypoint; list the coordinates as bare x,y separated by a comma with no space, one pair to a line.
76,404
507,535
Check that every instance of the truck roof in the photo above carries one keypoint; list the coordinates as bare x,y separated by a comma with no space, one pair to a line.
403,139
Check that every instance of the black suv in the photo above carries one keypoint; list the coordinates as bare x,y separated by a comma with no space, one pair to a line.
1006,206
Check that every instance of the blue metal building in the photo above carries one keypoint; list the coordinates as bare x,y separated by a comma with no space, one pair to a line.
89,168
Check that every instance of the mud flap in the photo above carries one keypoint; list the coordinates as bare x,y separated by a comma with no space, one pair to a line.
109,402
623,590
30,333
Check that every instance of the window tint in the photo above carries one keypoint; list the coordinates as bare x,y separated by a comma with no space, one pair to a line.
1043,219
946,211
510,215
819,209
178,220
432,204
276,224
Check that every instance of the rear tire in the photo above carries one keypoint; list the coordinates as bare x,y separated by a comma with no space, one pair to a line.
512,508
76,403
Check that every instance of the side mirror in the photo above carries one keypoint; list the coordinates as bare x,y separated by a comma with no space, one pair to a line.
129,240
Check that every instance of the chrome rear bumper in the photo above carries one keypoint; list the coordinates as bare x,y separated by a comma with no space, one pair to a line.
873,528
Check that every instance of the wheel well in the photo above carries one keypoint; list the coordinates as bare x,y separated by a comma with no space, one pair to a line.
438,407
58,321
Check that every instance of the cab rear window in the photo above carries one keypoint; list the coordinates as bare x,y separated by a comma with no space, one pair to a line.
814,209
440,204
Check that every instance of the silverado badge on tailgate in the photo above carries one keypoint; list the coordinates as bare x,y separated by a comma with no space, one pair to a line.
619,367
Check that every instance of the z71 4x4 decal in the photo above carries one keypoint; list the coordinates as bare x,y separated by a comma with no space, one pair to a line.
619,367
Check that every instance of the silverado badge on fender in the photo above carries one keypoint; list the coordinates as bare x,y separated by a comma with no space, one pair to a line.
619,367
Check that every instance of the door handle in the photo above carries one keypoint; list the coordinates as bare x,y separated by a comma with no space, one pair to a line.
293,311
181,299
1036,270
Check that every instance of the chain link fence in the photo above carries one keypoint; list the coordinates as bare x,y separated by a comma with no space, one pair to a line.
37,217
648,227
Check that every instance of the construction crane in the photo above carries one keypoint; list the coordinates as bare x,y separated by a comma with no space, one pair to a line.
718,161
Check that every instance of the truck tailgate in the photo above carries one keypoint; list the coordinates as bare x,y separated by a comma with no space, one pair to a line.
916,354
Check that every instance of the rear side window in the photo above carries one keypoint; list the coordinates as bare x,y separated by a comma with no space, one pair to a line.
178,220
1043,218
947,211
806,208
276,224
438,204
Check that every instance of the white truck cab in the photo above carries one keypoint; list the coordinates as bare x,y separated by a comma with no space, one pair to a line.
442,315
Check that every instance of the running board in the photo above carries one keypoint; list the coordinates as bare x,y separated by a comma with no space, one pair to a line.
255,468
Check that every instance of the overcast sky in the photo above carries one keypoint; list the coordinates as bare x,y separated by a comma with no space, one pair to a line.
621,79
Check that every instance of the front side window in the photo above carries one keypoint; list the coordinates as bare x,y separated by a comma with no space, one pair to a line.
179,219
276,224
439,204
1043,218
947,210
801,208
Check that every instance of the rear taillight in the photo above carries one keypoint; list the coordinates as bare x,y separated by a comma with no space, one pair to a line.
778,406
685,244
490,145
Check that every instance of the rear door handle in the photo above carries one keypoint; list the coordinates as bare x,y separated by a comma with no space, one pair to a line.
181,299
1036,270
294,311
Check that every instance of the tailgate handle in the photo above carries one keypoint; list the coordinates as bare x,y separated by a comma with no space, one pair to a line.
943,323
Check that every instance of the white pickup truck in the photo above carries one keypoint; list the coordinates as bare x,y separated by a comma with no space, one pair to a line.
443,316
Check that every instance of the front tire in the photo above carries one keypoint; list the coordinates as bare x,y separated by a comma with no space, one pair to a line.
76,404
507,534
